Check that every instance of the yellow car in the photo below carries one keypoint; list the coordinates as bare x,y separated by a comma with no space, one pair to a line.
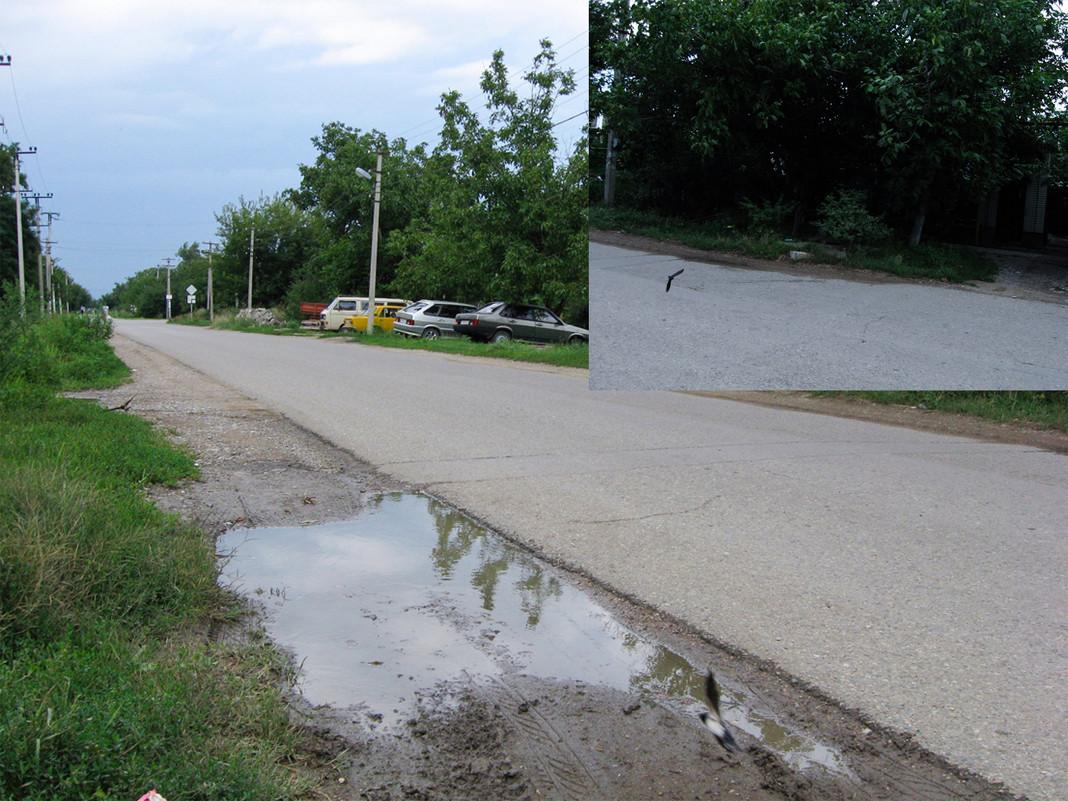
385,316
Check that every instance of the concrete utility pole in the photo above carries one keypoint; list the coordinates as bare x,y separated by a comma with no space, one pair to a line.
18,226
211,290
5,61
37,198
610,171
374,248
374,241
612,143
48,263
251,252
169,259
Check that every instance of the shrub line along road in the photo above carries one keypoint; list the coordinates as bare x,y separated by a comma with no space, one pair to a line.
915,576
729,328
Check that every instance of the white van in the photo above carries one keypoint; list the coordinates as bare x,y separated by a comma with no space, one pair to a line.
344,306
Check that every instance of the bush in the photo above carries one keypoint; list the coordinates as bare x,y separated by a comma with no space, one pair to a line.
769,217
845,219
77,347
25,369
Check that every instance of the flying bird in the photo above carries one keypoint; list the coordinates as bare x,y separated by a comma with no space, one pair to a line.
712,718
672,277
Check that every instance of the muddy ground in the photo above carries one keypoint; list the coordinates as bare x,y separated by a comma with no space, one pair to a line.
522,737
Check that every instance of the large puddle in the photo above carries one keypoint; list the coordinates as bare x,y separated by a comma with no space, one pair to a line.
414,593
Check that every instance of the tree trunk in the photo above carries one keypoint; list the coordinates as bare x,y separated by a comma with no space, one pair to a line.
918,221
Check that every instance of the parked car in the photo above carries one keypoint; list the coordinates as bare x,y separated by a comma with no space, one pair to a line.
430,319
501,321
385,316
333,316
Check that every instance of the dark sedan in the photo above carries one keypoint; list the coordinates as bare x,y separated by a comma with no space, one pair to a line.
501,321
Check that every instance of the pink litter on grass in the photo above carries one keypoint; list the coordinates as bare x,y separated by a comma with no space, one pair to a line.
151,795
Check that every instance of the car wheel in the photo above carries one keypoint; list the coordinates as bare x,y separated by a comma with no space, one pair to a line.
575,339
501,335
431,333
344,329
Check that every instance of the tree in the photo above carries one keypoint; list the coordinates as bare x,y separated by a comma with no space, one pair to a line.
341,204
506,214
918,104
31,245
960,88
142,294
285,239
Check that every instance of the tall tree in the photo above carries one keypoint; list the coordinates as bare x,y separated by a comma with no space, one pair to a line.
507,211
342,203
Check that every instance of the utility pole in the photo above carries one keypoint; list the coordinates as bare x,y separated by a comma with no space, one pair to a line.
251,252
169,259
18,225
48,263
374,247
612,141
40,256
610,170
374,240
5,61
211,291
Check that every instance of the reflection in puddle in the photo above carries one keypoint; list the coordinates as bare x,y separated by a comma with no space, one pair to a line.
414,593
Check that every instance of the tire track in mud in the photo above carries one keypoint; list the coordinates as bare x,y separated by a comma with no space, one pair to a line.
562,767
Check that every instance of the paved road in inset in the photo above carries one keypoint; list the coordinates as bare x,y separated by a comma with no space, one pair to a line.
730,328
915,576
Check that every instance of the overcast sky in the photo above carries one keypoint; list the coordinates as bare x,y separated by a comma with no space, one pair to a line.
149,117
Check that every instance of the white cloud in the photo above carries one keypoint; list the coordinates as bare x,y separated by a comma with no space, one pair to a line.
88,39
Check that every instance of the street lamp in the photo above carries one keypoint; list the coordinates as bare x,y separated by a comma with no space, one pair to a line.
374,240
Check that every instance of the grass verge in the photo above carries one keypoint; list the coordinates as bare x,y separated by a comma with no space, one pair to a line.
105,693
558,355
949,263
1041,409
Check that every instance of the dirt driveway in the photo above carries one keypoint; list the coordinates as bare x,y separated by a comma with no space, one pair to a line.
530,737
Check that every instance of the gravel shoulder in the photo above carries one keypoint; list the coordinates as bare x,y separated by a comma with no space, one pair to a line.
523,737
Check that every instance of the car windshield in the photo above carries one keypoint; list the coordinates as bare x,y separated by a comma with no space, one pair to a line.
490,307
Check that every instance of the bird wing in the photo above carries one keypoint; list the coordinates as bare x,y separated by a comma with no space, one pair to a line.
713,693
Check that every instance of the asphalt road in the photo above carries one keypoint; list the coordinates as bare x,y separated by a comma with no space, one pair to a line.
915,576
729,328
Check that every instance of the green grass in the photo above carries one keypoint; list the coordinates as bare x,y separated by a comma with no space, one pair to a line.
559,355
77,344
1042,409
104,691
116,717
716,235
949,263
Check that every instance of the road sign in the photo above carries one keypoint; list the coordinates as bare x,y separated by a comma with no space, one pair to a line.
192,290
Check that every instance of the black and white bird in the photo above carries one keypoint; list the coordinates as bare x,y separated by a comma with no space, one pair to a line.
672,277
712,719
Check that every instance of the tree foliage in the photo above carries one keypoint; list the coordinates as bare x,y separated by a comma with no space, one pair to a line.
922,105
342,204
31,245
505,217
